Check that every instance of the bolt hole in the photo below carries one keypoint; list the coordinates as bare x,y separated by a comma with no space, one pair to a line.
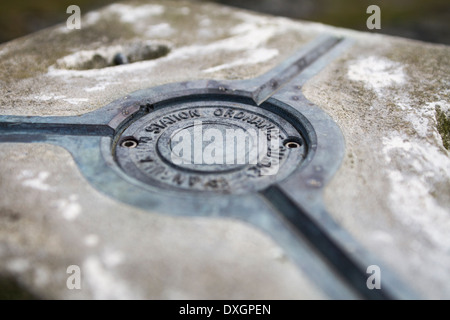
292,143
129,143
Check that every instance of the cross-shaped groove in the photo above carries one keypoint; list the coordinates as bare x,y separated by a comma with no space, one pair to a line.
260,89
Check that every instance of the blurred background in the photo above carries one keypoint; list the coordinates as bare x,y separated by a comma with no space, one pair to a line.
427,20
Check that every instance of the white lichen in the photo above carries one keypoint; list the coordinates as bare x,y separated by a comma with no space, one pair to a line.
103,282
41,276
251,57
377,73
163,30
18,265
35,180
98,87
91,240
48,97
416,167
132,14
83,57
75,101
112,258
70,209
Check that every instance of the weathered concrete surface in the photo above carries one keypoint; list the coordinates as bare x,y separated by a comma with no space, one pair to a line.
392,192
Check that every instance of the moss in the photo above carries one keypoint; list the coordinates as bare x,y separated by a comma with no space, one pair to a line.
18,18
12,290
443,126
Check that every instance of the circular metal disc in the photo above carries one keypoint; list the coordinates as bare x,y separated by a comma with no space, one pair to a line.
220,146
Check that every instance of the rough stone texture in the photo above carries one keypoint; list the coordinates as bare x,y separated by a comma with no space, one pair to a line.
392,192
125,253
205,41
396,201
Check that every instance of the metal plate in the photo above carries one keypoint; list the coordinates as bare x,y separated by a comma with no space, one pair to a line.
126,149
226,143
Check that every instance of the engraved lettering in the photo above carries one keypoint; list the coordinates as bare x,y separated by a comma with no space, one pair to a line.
156,170
265,163
145,139
253,139
153,129
167,120
165,175
239,115
194,113
260,124
217,184
183,115
248,118
178,178
229,113
254,172
147,159
253,120
160,125
193,180
156,127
